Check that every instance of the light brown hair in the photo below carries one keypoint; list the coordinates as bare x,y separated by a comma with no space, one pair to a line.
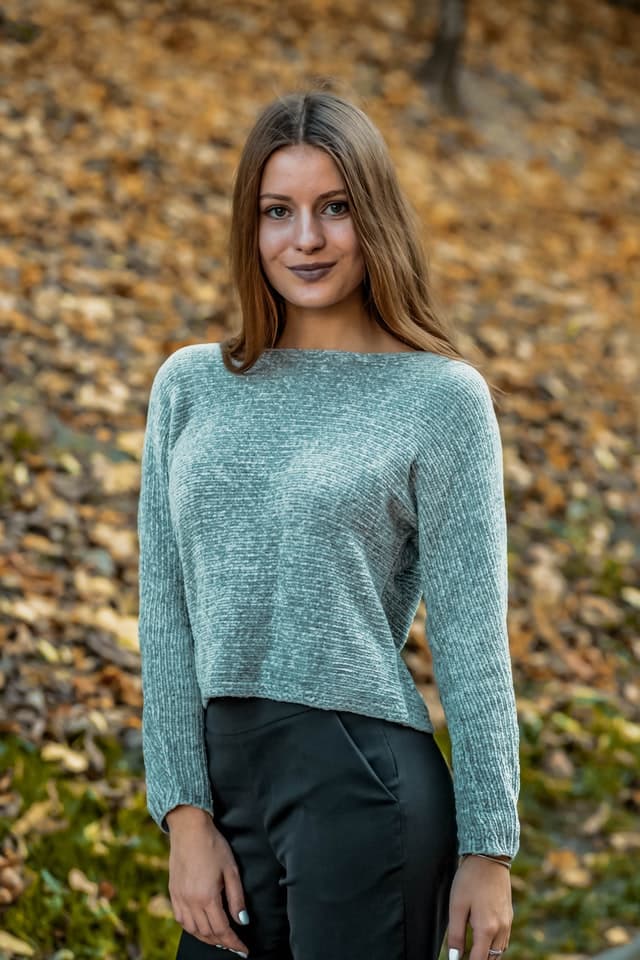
397,292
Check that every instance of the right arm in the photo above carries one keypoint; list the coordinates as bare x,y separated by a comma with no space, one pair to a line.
179,797
172,715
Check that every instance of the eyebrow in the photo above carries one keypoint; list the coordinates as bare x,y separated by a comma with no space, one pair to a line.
281,196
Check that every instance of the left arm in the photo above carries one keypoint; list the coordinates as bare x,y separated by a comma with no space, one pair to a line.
462,534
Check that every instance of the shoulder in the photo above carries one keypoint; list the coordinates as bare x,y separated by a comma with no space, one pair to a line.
461,388
455,393
458,410
183,369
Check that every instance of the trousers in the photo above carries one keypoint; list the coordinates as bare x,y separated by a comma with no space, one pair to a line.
343,829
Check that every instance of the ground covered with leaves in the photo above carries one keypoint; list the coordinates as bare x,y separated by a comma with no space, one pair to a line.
120,127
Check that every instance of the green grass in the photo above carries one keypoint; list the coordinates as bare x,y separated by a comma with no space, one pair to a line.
117,846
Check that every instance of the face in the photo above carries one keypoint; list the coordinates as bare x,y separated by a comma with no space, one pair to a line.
305,219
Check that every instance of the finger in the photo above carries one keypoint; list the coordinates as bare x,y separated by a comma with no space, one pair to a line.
204,928
198,928
500,941
184,916
456,935
496,946
235,894
216,923
215,939
482,941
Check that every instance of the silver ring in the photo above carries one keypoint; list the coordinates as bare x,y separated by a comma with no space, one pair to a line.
495,953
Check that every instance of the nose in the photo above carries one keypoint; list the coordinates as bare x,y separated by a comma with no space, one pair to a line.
308,232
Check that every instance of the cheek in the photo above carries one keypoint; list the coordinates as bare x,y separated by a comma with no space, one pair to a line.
345,235
269,240
263,241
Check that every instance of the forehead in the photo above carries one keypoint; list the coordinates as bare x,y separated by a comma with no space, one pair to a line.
301,168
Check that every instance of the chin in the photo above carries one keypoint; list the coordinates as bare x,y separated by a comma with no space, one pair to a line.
318,301
312,293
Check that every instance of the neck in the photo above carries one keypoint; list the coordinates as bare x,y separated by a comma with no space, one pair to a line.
350,327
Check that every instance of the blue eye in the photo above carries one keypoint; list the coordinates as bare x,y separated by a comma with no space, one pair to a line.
334,203
274,208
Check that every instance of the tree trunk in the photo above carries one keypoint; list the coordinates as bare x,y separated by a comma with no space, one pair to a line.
440,70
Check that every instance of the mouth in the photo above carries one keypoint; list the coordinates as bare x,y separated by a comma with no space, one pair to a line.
312,273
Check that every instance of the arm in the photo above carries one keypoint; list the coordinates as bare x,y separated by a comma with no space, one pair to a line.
172,715
463,555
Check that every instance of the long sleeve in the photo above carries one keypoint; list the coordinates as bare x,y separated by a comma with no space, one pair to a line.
172,715
463,561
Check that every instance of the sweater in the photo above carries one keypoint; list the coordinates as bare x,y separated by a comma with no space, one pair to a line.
289,521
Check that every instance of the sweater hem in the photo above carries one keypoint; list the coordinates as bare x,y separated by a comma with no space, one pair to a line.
396,713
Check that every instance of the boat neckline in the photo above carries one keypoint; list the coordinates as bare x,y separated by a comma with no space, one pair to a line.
331,352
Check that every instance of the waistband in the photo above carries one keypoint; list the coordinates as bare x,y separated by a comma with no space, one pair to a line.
235,714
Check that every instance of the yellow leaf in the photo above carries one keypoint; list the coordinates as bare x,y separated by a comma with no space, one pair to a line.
575,877
48,651
79,881
562,859
159,906
30,818
11,944
616,936
625,840
71,759
627,730
632,596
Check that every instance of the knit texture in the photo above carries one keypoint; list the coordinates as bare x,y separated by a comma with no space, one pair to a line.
289,521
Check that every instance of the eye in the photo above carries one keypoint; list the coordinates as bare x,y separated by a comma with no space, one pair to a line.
269,209
338,203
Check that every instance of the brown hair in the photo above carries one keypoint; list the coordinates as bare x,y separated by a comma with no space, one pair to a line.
397,292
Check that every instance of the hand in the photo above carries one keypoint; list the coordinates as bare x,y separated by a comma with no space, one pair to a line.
481,895
201,864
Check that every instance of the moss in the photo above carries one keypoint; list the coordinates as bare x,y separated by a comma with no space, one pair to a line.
117,845
116,848
22,440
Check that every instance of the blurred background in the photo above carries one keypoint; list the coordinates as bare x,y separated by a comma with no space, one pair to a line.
515,129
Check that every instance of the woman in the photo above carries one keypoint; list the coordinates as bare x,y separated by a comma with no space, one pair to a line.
304,483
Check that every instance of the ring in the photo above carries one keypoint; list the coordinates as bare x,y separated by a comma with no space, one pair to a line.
495,953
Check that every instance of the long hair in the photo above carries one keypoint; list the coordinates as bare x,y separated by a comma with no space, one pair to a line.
396,290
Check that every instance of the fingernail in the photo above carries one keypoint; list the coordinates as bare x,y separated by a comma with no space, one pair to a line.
454,954
243,917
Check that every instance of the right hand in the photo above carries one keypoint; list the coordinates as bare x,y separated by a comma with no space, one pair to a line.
201,864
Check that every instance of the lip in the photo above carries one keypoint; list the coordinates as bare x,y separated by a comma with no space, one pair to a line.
316,265
309,274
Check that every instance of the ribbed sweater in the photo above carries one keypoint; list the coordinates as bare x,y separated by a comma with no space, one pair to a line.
289,521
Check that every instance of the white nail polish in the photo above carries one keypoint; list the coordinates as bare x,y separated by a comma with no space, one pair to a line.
243,917
454,954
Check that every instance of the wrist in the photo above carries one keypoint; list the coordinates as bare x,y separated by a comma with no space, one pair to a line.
187,816
496,856
500,858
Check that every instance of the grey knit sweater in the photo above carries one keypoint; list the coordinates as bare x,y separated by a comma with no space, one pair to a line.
289,521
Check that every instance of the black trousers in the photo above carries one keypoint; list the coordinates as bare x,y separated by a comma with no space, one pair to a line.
342,826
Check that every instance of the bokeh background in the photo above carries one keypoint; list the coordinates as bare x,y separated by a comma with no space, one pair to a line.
121,123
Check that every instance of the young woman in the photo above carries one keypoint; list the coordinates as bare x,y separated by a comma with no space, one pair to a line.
304,484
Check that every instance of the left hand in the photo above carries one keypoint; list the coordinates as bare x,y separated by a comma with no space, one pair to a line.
481,895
